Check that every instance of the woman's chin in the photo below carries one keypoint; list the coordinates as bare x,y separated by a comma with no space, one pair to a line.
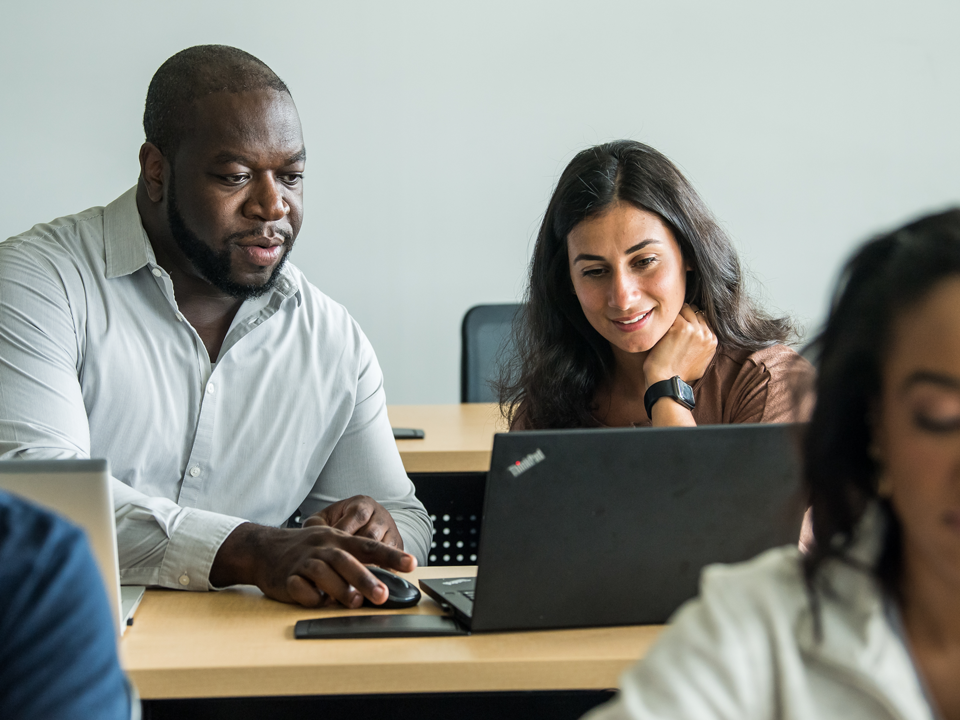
631,346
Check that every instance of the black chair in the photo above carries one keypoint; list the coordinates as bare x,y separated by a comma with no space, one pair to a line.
455,500
487,341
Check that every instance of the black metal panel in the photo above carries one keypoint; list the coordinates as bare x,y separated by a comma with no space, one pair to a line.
455,504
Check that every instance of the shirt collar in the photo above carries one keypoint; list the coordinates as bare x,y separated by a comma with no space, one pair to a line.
127,247
857,636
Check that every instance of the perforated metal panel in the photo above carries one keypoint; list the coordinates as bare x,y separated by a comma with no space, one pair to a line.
455,504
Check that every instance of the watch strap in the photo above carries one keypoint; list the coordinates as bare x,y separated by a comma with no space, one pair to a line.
673,388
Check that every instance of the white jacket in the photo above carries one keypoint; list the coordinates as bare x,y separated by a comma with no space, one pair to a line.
746,649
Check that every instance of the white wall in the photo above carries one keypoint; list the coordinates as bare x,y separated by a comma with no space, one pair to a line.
436,131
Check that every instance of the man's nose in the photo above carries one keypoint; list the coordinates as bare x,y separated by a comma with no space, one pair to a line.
267,202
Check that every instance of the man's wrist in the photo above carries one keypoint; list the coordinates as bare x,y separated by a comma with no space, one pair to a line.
235,562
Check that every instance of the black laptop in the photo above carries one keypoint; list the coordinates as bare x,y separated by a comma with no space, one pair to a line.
612,526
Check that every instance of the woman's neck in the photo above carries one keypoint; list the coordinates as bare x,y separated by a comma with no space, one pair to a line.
628,379
619,400
931,597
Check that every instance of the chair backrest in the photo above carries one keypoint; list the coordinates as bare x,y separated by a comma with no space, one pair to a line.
487,341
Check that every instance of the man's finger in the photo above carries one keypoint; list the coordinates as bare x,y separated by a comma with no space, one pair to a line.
328,516
393,538
377,553
357,578
354,517
316,520
376,529
304,592
341,577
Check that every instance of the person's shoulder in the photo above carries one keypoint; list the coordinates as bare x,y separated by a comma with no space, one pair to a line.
20,517
28,532
777,362
772,583
56,232
768,356
778,355
320,311
61,249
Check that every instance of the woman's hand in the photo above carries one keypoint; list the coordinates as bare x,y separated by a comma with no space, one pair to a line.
685,350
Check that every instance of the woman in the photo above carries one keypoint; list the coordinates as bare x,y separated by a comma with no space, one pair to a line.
635,313
867,624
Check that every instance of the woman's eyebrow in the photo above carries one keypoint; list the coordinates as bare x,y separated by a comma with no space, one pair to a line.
935,378
639,246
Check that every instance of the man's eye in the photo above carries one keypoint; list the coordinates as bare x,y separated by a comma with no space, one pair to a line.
292,178
233,179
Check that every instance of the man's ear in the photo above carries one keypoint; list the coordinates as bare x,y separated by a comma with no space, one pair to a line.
152,164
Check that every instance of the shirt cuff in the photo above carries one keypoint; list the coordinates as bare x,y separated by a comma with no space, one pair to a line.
192,548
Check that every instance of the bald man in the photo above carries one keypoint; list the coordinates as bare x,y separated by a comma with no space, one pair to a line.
168,333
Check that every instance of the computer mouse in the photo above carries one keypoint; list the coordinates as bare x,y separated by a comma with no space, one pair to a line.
401,593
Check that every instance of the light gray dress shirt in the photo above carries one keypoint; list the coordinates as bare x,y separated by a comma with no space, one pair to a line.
97,361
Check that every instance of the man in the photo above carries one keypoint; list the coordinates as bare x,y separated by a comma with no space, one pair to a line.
167,333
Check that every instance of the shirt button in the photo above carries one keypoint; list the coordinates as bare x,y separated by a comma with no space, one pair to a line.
157,272
211,389
194,471
184,579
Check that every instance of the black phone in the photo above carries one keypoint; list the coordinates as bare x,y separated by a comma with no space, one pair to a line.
377,626
408,434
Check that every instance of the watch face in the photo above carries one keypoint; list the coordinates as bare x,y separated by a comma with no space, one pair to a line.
685,392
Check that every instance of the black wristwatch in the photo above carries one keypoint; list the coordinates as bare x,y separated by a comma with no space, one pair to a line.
674,388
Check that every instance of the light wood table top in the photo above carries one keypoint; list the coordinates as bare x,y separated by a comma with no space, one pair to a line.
238,643
459,438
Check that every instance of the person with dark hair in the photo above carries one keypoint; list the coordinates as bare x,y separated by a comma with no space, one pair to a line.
866,624
635,311
168,333
58,644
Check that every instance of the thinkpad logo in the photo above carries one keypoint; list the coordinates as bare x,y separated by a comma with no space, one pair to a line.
521,466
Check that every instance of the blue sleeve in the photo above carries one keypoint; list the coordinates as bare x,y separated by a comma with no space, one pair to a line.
58,646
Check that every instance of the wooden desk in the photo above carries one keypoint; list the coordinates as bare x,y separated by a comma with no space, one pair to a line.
237,643
458,437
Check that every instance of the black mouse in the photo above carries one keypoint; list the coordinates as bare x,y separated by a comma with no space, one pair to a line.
401,594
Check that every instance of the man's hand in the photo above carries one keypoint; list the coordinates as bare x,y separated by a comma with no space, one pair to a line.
361,516
311,566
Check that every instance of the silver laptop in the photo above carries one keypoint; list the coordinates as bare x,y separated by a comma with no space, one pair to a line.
78,490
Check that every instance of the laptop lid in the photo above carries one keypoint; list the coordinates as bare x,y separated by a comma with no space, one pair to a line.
79,491
612,526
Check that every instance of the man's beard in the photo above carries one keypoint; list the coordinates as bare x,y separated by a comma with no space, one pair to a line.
215,267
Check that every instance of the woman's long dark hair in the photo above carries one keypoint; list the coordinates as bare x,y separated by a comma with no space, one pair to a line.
880,284
561,359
